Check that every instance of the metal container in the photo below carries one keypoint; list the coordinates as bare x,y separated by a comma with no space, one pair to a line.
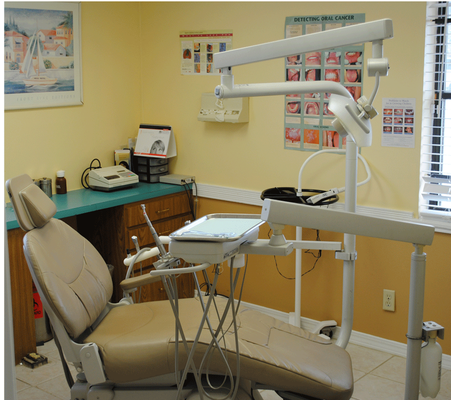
43,330
46,186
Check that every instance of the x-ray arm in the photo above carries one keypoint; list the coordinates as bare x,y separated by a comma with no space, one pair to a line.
374,31
352,118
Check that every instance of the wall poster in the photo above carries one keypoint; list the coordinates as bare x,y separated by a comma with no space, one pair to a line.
42,55
198,48
398,123
308,121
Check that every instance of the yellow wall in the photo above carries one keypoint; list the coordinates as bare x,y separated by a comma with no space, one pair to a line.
40,142
256,148
131,74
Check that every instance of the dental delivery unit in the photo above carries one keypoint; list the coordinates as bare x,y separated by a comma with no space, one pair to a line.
215,348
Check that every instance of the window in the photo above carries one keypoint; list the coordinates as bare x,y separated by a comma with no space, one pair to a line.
435,170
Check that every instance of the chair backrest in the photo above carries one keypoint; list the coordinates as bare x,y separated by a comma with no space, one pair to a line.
68,270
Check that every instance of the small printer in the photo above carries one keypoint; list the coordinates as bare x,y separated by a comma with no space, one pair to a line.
112,178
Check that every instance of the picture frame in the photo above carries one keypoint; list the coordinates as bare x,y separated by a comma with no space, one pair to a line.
42,55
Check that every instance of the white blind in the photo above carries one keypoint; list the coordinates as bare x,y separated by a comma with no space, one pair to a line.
435,169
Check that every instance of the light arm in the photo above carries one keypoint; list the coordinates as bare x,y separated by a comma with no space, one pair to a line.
341,221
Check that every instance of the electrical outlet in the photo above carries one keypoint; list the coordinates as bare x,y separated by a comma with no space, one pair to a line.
389,300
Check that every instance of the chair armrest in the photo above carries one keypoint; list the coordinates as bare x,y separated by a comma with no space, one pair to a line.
137,281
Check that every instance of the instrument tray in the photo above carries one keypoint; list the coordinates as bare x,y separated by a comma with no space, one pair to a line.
218,228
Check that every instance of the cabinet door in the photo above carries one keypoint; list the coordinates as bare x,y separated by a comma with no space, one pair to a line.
157,209
163,228
21,297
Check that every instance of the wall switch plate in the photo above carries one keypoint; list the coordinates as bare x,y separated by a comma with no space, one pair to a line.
389,300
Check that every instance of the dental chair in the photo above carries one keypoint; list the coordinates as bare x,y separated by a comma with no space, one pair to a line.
129,351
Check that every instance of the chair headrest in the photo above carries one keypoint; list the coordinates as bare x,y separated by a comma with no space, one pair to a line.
32,206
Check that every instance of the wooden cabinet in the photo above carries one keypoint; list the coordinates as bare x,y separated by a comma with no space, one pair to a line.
21,297
110,231
167,214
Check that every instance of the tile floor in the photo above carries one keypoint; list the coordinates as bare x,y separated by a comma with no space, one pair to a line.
377,375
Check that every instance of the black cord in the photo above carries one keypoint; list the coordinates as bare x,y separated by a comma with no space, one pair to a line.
275,262
195,200
191,200
318,256
85,174
290,194
280,273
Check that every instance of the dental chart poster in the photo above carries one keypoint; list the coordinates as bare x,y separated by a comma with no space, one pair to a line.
308,121
198,49
398,123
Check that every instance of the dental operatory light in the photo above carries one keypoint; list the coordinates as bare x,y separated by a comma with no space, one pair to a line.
351,118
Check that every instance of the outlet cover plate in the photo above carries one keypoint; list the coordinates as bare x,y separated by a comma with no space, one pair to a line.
389,300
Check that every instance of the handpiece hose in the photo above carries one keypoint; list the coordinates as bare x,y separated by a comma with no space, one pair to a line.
154,233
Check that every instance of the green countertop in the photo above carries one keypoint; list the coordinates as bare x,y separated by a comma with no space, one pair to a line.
82,201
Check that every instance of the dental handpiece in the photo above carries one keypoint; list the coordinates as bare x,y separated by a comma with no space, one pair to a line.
135,242
153,232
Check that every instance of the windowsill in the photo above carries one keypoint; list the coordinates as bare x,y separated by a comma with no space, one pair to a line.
442,226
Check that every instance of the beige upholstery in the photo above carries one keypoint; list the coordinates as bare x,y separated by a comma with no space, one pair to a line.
71,273
272,353
137,341
33,208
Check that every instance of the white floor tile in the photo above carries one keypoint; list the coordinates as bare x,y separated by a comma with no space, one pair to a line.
21,385
34,393
40,374
58,387
358,374
393,369
46,348
372,387
364,359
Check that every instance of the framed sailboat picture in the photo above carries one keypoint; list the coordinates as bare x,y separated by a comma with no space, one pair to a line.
42,55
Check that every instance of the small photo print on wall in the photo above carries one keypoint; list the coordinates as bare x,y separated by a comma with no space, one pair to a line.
398,122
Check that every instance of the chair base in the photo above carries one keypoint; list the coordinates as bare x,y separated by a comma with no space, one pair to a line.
144,391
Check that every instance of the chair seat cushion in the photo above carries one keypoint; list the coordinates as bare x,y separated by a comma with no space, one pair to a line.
138,342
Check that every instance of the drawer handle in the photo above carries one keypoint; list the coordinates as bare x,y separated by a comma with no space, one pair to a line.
163,211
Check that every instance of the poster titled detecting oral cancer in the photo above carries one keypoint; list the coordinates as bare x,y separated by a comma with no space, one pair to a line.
308,121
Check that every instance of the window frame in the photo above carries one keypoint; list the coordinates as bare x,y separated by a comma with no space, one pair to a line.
433,182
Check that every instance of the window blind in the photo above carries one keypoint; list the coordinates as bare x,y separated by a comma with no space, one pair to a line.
435,168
